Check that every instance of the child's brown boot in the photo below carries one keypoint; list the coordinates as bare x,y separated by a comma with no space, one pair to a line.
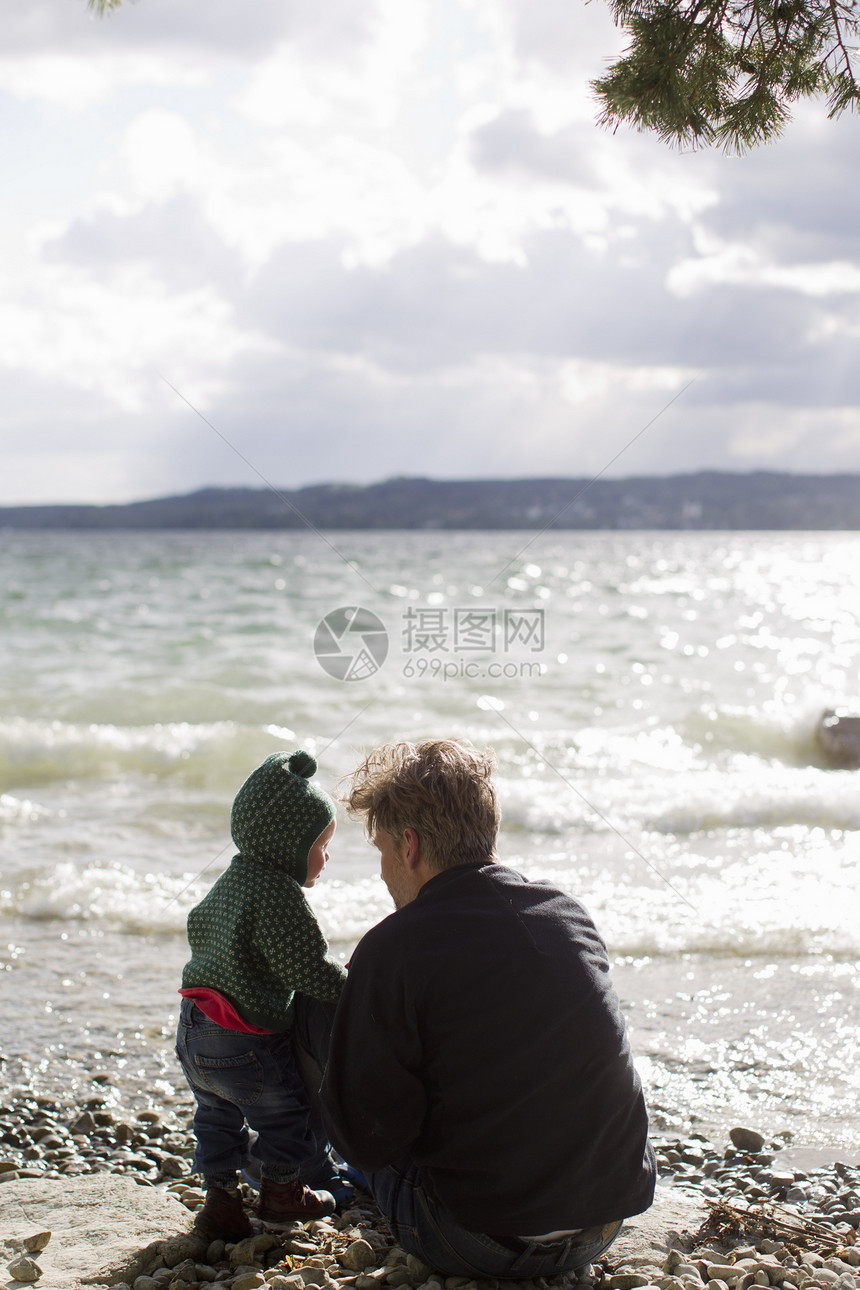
223,1216
286,1202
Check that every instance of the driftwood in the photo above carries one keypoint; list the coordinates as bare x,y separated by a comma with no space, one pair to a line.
796,1233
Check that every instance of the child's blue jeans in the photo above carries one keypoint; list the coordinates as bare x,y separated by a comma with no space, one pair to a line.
241,1079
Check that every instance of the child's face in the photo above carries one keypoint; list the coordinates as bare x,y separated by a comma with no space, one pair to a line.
318,854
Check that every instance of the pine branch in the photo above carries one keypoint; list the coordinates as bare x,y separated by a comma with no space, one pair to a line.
717,72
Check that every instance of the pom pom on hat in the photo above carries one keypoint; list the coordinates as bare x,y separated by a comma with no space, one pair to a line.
303,764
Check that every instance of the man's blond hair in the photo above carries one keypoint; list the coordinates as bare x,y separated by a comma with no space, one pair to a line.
441,788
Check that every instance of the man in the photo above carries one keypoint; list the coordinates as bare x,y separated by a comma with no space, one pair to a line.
479,1071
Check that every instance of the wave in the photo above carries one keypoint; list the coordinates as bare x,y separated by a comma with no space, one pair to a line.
751,797
120,898
775,732
761,772
111,896
44,752
747,798
762,907
17,810
758,908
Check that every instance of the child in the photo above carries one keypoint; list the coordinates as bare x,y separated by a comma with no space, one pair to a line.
254,943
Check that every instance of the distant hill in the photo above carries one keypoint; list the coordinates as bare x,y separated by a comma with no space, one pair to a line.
707,500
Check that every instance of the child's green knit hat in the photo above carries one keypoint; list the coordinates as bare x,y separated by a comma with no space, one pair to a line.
278,814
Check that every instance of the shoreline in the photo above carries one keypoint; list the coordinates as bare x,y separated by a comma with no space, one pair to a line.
126,1083
808,1208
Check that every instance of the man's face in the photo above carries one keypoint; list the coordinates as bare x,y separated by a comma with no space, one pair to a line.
395,874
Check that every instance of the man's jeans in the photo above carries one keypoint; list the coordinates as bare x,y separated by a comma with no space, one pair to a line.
423,1228
420,1225
242,1079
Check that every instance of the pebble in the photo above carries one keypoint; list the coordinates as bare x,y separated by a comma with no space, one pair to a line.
746,1139
43,1138
24,1269
36,1243
357,1256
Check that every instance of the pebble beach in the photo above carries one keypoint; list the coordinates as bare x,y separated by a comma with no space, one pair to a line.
768,1224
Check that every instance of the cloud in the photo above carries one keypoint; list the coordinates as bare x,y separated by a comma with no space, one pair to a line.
58,52
511,142
104,335
200,27
381,239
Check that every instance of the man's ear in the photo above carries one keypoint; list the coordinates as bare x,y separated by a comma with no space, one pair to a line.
412,849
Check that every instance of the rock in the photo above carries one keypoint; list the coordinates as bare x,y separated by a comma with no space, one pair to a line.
399,1277
748,1140
36,1243
192,1197
300,1247
672,1220
250,1249
687,1272
374,1239
215,1251
249,1281
186,1270
314,1276
24,1269
102,1225
357,1256
174,1167
176,1249
417,1270
628,1281
838,736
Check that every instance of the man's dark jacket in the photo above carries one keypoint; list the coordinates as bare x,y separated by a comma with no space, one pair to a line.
479,1037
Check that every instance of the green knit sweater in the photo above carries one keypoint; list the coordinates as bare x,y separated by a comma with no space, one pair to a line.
254,937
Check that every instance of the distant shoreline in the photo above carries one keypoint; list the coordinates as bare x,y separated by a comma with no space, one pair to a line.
705,501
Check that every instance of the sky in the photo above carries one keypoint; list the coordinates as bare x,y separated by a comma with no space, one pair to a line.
289,242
